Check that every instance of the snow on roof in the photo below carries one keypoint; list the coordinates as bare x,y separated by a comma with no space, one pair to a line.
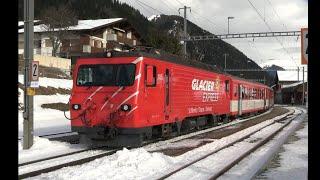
291,75
82,24
21,23
292,85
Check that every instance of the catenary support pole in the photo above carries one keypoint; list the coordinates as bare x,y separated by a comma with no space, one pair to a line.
303,85
28,57
185,29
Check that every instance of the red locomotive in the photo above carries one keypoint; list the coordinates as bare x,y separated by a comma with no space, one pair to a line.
123,98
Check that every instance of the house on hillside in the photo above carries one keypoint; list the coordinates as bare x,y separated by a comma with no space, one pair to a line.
88,36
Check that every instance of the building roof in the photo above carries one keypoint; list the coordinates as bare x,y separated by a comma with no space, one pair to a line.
82,24
291,75
292,85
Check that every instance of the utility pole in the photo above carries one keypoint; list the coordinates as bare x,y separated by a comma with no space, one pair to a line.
302,85
185,29
28,57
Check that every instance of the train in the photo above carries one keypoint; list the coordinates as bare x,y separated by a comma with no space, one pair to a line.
126,98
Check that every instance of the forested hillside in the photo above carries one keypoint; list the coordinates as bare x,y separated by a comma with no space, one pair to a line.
162,33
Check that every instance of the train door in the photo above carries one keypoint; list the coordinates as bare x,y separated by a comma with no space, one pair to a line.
240,92
151,94
167,94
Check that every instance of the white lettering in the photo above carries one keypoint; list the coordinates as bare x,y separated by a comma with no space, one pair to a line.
202,85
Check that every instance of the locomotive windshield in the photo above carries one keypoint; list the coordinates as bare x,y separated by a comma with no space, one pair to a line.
106,75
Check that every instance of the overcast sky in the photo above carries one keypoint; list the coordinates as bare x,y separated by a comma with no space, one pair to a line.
211,15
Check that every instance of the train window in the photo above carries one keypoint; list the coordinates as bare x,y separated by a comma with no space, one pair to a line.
151,76
106,75
227,85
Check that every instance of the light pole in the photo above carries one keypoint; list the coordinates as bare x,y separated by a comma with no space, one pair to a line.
228,22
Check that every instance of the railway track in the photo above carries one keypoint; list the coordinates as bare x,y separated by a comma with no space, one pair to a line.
174,172
45,165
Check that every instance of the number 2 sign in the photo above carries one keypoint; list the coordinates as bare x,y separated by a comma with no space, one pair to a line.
34,73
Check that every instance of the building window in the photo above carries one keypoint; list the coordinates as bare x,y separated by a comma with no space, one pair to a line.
99,44
48,43
92,42
37,43
86,48
120,34
129,34
134,42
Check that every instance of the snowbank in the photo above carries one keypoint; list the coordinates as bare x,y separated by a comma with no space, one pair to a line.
43,148
125,164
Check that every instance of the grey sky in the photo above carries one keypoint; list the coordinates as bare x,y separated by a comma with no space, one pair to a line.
211,15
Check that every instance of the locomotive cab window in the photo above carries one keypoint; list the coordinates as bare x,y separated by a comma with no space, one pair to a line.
151,76
106,75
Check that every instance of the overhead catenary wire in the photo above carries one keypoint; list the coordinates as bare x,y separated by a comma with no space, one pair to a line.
155,9
268,26
281,22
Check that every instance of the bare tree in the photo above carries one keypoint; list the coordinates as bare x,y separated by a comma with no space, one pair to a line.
57,21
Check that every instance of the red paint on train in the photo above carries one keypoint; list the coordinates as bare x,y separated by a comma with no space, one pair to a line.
144,92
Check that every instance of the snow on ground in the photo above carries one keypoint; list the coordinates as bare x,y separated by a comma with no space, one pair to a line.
47,121
141,164
204,169
57,83
250,166
125,164
293,161
43,148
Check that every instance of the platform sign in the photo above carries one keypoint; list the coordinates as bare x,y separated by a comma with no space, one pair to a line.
304,46
34,74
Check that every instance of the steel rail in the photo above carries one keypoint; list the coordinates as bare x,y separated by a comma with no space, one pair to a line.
57,156
221,148
88,159
71,163
258,145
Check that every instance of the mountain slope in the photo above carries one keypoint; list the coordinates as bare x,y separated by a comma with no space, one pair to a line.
163,32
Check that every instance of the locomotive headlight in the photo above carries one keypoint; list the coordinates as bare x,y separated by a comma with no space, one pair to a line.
125,107
76,106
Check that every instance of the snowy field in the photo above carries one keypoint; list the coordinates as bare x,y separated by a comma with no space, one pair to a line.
47,121
141,164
